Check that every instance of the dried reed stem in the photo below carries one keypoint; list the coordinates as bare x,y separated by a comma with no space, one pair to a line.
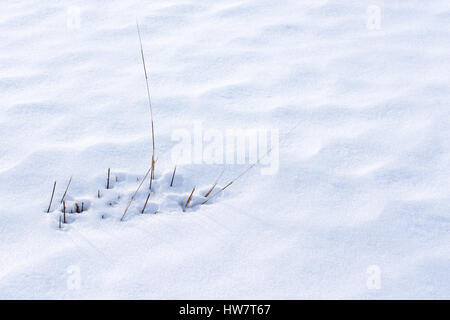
189,199
67,188
152,176
134,195
145,204
64,210
215,183
220,190
251,166
107,181
173,175
51,199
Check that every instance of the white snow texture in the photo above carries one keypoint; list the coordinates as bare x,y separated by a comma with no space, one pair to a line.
359,207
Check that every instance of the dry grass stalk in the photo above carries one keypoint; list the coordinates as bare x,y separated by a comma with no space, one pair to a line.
152,176
173,175
98,193
220,190
51,199
251,166
60,221
67,188
189,199
134,195
215,183
77,208
152,173
145,204
241,174
107,181
64,210
82,206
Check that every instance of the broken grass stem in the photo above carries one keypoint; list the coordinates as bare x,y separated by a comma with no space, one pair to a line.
189,199
173,175
145,204
109,174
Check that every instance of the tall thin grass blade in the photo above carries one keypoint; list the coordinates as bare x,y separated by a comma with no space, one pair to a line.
152,176
67,188
134,195
214,185
51,199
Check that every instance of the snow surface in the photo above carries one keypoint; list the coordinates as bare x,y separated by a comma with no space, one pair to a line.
363,180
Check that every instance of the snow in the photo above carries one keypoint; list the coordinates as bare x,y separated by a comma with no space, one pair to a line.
362,187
